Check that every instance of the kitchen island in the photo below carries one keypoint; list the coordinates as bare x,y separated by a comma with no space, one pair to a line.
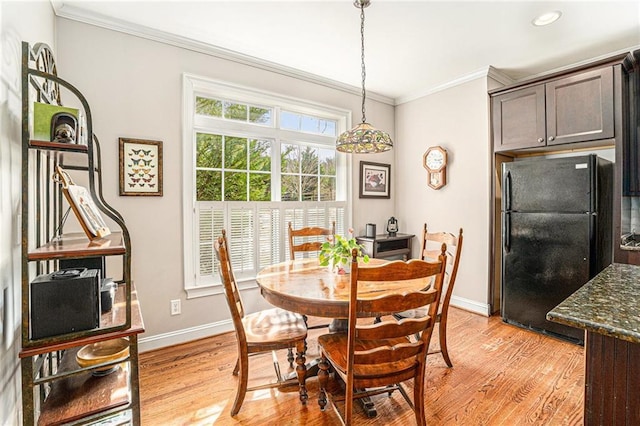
608,309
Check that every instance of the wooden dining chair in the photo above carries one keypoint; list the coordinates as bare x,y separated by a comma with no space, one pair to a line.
376,358
431,241
308,239
261,332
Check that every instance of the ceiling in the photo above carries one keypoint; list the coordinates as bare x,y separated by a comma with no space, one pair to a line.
411,47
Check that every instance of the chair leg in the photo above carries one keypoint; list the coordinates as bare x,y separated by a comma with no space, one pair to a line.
443,343
242,384
301,370
418,400
236,368
323,379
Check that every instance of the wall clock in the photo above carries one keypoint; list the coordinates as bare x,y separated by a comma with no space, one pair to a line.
435,161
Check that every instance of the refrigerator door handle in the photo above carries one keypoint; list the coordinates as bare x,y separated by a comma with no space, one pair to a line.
507,191
506,232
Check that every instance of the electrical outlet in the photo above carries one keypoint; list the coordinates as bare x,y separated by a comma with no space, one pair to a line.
175,307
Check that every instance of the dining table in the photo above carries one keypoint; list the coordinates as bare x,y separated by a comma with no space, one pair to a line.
306,287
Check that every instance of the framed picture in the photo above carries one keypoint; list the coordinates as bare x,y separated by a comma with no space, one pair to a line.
375,179
140,167
83,206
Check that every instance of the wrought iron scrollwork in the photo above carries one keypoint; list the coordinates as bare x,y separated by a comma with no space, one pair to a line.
44,60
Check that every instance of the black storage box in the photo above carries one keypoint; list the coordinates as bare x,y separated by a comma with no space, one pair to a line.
65,301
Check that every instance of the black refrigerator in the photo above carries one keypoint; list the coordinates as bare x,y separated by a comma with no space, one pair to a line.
556,235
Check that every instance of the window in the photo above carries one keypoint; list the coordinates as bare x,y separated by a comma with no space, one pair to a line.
252,163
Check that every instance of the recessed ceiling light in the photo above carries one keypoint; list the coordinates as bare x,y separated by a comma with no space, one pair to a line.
547,18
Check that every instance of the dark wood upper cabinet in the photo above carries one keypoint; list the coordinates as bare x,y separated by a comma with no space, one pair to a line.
580,107
575,108
519,119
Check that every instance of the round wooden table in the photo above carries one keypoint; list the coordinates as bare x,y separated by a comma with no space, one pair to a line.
305,287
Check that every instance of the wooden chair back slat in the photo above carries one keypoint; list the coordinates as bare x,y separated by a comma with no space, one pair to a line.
389,354
308,239
393,329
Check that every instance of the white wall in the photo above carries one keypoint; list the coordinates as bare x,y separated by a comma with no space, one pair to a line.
457,119
32,22
133,86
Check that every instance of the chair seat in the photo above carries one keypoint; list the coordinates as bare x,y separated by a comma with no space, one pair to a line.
274,325
335,349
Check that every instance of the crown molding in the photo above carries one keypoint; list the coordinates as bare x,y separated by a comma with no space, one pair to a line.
65,10
489,71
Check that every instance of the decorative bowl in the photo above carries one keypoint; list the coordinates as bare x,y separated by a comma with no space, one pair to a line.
101,352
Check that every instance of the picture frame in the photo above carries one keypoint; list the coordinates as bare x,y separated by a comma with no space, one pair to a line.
140,167
375,180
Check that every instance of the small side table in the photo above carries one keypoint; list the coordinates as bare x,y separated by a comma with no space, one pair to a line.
385,247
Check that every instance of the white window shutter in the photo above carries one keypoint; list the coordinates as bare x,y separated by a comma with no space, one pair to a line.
210,222
242,239
269,234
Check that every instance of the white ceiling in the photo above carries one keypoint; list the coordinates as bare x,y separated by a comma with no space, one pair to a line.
411,47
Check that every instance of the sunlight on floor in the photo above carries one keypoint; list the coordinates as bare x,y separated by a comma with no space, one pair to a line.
208,415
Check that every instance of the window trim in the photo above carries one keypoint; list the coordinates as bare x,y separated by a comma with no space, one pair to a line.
194,85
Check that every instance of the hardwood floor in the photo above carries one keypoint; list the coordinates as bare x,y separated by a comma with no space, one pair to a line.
502,375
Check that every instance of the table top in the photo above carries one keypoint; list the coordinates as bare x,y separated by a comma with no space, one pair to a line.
303,286
609,304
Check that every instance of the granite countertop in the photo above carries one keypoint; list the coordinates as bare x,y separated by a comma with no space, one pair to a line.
609,304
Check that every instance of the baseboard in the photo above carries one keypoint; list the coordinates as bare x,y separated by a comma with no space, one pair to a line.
183,336
470,305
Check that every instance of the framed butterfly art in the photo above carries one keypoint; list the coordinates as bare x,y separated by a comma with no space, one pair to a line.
140,167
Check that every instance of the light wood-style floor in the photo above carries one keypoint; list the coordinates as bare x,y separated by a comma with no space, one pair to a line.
502,375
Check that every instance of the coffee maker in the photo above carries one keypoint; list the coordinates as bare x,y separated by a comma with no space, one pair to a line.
392,226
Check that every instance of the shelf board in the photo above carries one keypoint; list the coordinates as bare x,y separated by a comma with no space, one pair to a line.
83,395
77,245
57,146
113,318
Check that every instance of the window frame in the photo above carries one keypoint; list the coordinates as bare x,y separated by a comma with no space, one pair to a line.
198,86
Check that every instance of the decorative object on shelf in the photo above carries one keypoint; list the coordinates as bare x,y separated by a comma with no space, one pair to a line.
102,352
140,167
363,138
54,123
375,180
107,294
392,226
435,161
82,205
338,254
64,301
370,230
63,128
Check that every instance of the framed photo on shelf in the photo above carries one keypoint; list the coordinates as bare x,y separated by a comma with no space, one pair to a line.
140,167
83,207
375,180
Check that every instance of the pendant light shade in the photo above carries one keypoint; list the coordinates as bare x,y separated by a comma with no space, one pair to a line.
363,138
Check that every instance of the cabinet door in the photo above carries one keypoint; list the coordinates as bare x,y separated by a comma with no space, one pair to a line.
580,107
519,119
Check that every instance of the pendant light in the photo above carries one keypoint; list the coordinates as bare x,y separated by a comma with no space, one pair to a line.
363,138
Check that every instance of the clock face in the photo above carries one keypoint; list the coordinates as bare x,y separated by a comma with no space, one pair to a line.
435,160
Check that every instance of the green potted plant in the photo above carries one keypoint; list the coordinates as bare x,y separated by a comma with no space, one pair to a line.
338,253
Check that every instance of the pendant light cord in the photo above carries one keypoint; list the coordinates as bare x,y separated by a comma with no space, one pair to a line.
364,72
